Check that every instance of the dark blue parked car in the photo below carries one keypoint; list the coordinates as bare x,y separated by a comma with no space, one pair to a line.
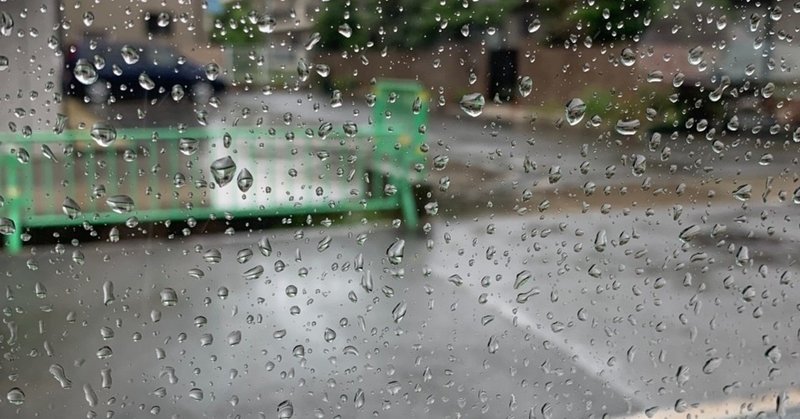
123,71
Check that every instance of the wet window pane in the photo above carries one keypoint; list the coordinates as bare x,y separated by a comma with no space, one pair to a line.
448,209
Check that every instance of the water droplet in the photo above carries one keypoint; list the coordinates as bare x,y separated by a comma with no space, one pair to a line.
773,354
455,279
71,208
722,22
628,126
768,90
324,244
6,24
312,41
285,410
494,344
15,396
574,111
223,169
742,256
254,272
108,333
163,20
57,371
525,86
120,204
696,55
108,293
472,104
324,129
733,124
755,20
416,106
395,251
323,70
303,70
212,71
711,365
266,24
105,378
399,311
655,76
146,82
234,338
743,192
329,335
350,129
638,165
522,278
169,297
177,92
345,30
196,394
88,18
129,54
48,153
84,72
23,156
600,241
359,399
103,133
627,57
188,146
104,353
534,26
689,233
245,180
366,281
78,257
7,226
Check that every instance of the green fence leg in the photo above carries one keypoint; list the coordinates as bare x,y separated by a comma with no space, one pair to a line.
14,240
408,205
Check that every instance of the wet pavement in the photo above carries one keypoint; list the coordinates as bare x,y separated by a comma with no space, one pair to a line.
590,328
587,306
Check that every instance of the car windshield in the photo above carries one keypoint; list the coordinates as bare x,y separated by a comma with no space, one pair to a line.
277,209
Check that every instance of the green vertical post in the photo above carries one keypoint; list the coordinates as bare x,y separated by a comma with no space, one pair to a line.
398,139
15,198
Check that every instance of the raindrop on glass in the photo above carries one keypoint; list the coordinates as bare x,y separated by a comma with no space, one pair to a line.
472,104
223,169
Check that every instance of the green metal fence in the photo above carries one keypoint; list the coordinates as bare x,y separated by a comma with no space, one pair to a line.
53,180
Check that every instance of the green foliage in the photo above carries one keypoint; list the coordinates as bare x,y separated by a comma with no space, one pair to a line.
603,21
236,25
406,24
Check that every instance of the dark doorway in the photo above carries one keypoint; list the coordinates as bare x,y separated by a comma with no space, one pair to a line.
502,73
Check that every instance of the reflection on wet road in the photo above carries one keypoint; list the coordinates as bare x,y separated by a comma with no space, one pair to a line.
572,317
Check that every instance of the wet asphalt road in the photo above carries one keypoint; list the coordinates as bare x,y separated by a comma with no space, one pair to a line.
637,332
646,320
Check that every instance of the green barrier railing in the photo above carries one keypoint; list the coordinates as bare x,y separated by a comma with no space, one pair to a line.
295,171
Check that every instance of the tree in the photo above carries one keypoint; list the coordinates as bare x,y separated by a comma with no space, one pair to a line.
602,21
237,24
406,24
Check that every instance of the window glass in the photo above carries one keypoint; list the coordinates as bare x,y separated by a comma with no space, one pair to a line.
426,209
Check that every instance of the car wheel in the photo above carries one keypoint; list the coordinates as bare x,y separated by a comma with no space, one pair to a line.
98,92
202,92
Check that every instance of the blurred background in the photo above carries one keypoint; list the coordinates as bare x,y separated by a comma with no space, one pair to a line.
494,208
